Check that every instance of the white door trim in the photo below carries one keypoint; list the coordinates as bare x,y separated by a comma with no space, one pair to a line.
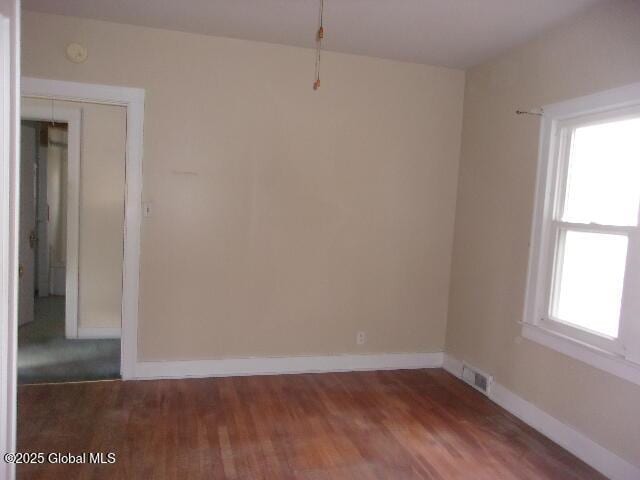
72,116
133,100
42,254
9,185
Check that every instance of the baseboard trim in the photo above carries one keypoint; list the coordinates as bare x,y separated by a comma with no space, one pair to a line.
603,460
98,333
286,365
452,365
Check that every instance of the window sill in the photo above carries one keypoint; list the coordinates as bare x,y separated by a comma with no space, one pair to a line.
595,357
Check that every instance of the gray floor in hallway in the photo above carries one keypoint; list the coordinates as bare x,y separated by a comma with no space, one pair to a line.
45,355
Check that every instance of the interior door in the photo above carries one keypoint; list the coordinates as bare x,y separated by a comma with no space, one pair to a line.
26,285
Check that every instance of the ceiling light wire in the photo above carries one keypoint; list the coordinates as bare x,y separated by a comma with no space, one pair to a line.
319,37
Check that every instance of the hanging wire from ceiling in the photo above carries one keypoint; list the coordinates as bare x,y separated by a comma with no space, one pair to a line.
319,37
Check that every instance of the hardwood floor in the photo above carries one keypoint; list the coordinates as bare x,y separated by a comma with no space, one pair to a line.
405,424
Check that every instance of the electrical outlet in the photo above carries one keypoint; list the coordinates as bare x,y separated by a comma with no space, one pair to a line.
361,338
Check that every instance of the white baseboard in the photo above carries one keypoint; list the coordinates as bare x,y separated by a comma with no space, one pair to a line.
452,365
603,460
97,333
286,365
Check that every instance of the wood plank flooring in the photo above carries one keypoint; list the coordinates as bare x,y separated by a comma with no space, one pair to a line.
404,424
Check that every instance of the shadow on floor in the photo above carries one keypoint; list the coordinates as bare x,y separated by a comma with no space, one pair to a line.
45,355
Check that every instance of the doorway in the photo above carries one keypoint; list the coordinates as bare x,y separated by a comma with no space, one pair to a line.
71,241
133,101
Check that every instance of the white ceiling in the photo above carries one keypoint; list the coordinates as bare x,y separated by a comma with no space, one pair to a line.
454,33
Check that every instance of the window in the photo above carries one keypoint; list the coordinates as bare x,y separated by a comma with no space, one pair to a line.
583,291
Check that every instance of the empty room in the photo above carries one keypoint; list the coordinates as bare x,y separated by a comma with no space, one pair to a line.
320,239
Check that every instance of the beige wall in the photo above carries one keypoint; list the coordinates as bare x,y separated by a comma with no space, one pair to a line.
284,220
102,180
495,202
102,177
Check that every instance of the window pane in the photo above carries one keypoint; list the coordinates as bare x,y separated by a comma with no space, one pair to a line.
591,275
604,168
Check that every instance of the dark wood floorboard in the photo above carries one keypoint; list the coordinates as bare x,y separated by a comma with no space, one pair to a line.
404,424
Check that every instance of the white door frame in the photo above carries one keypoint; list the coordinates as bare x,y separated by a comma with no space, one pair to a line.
72,116
9,185
133,100
42,254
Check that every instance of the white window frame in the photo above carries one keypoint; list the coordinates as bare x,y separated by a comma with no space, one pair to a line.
619,356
